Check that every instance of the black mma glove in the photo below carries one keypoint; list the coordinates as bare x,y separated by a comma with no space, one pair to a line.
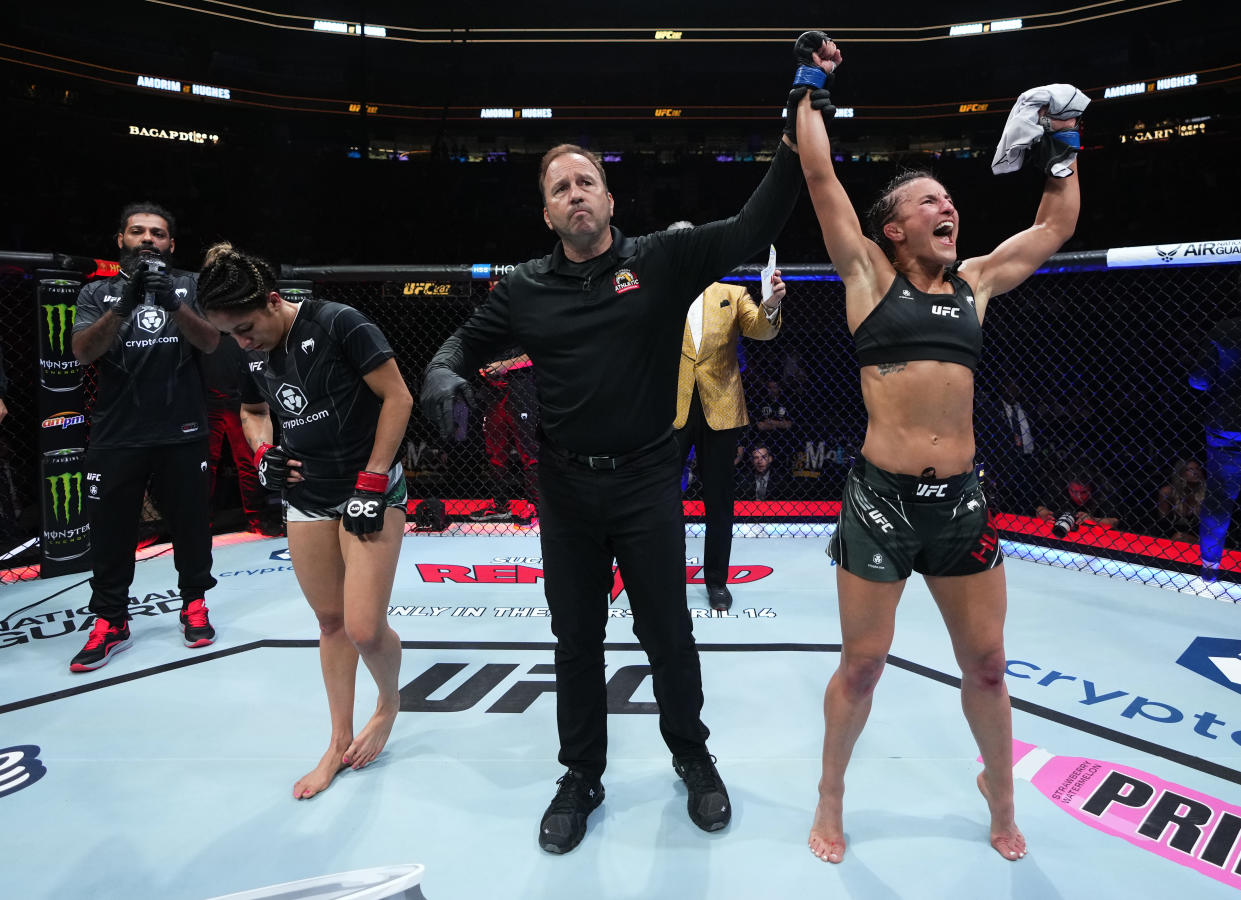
364,513
440,388
159,284
272,463
1056,150
808,77
132,293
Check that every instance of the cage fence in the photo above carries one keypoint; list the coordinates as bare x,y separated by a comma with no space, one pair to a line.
1083,404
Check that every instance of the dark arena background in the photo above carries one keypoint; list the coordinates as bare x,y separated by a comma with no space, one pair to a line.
385,155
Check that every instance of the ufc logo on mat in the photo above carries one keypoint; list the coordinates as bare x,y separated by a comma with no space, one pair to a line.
932,490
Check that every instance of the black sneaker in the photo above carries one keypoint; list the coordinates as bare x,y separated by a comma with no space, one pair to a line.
195,626
491,514
105,639
564,823
708,804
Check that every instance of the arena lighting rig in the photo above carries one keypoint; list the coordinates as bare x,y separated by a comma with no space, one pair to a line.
238,96
657,32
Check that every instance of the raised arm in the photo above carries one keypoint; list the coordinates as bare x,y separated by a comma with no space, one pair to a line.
858,260
1016,259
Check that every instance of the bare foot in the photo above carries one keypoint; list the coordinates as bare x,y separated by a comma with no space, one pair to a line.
827,832
371,739
1006,838
318,778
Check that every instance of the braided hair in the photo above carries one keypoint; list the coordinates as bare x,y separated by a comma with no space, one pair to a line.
234,280
883,210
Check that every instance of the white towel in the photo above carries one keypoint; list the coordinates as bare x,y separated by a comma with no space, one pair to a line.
1024,129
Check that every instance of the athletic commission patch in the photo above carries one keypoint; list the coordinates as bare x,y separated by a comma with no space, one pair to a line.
624,280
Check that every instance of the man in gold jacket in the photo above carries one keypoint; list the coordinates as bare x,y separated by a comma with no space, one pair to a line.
711,406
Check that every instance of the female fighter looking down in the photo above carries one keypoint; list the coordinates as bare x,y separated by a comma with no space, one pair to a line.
329,374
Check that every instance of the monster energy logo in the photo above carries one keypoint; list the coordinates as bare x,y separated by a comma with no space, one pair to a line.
62,487
56,314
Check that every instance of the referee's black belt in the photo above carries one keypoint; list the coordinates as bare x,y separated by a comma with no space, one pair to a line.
606,462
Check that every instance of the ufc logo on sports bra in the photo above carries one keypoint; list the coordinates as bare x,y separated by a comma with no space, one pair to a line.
932,490
952,312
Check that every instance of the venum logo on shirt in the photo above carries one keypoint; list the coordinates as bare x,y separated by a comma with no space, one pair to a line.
625,280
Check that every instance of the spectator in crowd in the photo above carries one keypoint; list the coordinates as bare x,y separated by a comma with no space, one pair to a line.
793,373
1011,465
711,409
772,421
224,373
1217,372
1180,502
10,504
1079,495
510,428
764,480
143,329
4,388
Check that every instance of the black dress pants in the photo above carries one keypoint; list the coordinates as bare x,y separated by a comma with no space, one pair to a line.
717,470
632,514
116,480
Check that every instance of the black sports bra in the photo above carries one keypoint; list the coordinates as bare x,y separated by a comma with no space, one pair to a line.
908,324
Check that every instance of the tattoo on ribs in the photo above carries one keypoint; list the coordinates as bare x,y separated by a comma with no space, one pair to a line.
890,368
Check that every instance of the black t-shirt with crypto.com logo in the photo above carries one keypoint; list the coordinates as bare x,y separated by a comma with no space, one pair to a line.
150,385
314,384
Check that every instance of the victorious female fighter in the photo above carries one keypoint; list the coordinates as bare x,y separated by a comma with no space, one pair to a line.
329,374
912,501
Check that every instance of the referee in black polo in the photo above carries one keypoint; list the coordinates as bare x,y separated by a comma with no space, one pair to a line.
602,319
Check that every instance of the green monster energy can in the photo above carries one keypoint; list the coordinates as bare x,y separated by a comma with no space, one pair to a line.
59,370
63,485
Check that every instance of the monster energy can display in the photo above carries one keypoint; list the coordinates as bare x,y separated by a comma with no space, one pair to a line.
66,543
65,540
57,299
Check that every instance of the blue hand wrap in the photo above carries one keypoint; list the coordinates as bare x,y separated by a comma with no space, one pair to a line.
811,75
1071,139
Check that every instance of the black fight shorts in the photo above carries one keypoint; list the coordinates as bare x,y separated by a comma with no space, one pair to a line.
891,525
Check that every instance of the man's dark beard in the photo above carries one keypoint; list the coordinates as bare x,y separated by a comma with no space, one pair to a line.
130,257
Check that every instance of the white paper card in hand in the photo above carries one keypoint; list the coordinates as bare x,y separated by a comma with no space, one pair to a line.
768,271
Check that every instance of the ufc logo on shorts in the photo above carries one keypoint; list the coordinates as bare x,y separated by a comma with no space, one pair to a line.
951,312
932,490
877,517
366,508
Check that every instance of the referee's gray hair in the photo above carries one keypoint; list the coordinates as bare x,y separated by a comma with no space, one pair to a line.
677,226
